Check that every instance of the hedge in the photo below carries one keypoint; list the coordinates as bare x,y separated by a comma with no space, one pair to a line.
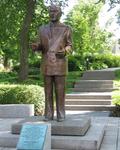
93,62
23,94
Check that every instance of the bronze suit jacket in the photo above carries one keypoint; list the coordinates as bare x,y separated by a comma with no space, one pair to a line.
52,41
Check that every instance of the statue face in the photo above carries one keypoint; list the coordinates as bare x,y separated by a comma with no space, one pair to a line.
54,13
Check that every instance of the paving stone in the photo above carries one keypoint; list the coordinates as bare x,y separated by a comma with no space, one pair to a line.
8,140
110,140
110,133
108,147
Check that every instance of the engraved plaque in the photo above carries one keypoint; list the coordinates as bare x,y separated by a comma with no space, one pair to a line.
32,137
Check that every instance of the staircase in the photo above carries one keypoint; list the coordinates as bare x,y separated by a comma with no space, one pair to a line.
92,92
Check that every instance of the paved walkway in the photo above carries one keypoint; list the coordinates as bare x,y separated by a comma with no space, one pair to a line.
111,69
111,140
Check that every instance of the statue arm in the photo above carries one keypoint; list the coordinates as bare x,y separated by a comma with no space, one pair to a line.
36,46
68,47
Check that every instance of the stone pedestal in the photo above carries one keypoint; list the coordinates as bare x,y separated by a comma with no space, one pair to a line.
68,127
72,134
90,141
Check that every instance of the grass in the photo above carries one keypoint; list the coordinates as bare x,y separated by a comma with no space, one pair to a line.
116,94
35,78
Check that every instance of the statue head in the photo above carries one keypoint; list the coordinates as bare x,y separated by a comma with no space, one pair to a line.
55,13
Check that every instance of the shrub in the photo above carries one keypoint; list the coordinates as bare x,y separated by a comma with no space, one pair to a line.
93,62
116,101
8,77
23,94
76,63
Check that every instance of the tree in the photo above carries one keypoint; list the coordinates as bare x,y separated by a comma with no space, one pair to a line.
112,3
87,36
24,39
18,22
10,20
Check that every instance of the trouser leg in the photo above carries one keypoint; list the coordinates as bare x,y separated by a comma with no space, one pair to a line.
60,96
49,103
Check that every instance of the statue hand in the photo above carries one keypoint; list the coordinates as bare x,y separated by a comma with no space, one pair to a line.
68,49
34,46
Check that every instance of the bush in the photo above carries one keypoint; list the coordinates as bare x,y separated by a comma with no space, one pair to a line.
8,77
93,62
23,94
116,102
116,111
76,63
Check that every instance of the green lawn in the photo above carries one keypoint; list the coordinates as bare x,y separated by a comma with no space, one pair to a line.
116,95
35,78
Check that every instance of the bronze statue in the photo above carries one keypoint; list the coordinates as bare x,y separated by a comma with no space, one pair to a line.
54,42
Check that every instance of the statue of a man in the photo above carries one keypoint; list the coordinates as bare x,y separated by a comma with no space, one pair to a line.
54,42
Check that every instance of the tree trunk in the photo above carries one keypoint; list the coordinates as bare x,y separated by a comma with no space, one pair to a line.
24,39
5,62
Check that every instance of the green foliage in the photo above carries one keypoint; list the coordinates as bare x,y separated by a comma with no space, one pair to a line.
118,16
23,94
8,77
36,78
93,62
71,78
116,101
117,75
116,95
11,22
87,36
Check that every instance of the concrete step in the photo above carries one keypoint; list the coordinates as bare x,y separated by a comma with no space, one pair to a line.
92,89
98,75
90,107
89,95
94,83
87,102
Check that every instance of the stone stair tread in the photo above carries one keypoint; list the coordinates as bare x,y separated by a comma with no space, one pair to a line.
90,93
85,84
87,95
93,106
95,81
88,100
93,89
95,86
90,107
